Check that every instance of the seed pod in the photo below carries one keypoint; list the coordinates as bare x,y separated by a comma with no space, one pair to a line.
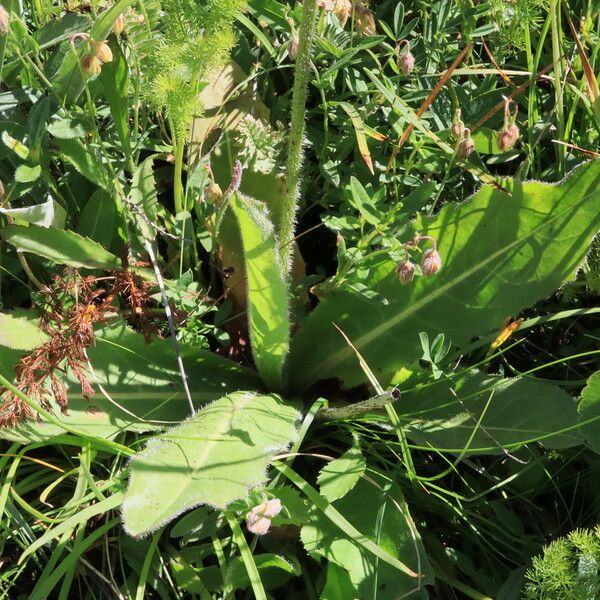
4,20
91,65
118,25
406,63
466,145
102,51
431,263
405,271
507,138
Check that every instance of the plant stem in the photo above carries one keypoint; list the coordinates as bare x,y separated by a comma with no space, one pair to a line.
179,147
557,67
294,161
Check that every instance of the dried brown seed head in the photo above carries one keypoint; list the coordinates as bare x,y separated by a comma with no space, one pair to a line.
405,271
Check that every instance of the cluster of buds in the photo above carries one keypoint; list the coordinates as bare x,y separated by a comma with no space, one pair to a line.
92,62
259,518
464,142
509,134
431,262
406,61
4,20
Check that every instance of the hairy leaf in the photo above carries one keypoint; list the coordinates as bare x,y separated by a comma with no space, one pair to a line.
19,330
267,289
589,412
213,458
500,253
339,476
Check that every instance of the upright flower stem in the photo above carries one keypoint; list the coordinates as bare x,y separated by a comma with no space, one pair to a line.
294,161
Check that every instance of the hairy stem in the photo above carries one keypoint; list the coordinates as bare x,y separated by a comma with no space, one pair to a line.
294,161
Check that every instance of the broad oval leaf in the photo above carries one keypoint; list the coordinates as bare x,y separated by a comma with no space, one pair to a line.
213,458
339,476
138,386
500,253
63,247
483,414
267,289
19,330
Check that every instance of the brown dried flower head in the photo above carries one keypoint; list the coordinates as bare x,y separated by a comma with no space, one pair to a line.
342,10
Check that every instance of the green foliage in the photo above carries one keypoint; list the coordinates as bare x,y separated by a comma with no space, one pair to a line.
568,568
267,291
500,253
213,458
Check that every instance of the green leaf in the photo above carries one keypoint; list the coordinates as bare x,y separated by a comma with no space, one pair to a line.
103,24
338,585
114,78
66,129
500,254
589,412
85,160
143,195
19,148
274,571
339,476
63,247
45,215
97,220
214,457
27,173
141,388
382,517
363,204
484,414
267,289
58,30
19,330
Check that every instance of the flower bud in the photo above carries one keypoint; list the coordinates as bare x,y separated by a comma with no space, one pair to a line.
365,21
214,193
259,518
1,190
342,10
102,51
4,20
406,63
431,263
507,138
91,65
293,47
457,127
466,145
118,25
405,271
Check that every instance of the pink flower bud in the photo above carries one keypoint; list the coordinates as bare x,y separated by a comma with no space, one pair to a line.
431,262
118,25
406,63
507,138
259,518
365,21
466,145
342,10
457,126
4,20
102,51
405,271
293,47
91,65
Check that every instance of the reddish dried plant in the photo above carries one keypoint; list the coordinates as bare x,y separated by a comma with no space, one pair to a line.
73,304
